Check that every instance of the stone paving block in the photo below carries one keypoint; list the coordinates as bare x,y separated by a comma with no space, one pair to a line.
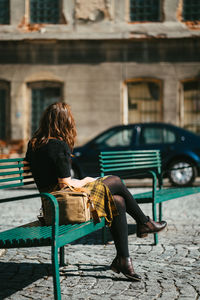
19,297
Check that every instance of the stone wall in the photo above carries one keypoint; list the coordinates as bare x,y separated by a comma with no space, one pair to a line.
94,91
98,19
92,52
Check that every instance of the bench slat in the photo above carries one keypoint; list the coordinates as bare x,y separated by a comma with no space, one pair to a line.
127,168
12,173
137,152
17,166
16,178
8,186
9,160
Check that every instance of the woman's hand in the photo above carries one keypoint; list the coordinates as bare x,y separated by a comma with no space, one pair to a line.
74,182
88,180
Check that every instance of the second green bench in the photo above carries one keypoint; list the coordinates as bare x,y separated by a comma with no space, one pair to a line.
143,164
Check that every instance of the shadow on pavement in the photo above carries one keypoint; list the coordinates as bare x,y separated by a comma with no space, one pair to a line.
91,268
95,238
16,276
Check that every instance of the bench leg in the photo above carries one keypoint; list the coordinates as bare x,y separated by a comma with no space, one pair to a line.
55,271
160,212
62,256
154,211
104,235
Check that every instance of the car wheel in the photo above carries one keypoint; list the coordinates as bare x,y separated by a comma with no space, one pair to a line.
182,172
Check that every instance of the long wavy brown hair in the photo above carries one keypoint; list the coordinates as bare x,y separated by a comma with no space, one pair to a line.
56,122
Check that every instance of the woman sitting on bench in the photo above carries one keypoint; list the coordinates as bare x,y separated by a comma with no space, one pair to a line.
49,154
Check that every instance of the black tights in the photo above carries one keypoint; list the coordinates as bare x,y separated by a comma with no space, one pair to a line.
125,203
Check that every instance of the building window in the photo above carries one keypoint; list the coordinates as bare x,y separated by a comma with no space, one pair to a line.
4,101
4,11
191,105
45,11
144,100
43,94
191,10
145,10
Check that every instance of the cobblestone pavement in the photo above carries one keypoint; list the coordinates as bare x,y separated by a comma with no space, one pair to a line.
170,270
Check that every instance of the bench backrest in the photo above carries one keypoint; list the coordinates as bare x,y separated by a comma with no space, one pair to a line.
129,164
14,172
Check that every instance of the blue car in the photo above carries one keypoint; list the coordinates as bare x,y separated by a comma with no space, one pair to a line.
180,150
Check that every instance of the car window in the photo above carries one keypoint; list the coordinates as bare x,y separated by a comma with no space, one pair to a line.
116,138
169,136
154,135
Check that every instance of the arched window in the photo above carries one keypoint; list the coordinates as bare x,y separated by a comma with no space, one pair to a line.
190,105
4,106
43,94
144,100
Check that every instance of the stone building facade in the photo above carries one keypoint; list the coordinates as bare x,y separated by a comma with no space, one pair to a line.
113,61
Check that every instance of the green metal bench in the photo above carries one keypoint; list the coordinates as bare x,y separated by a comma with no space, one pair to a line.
15,173
143,164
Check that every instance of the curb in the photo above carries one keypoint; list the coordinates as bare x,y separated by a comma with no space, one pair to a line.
2,252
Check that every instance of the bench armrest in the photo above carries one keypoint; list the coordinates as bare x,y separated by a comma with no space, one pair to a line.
55,214
154,182
54,205
155,179
152,174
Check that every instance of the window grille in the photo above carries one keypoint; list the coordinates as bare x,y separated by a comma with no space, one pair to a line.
144,101
2,114
145,10
41,98
191,117
4,11
45,11
191,10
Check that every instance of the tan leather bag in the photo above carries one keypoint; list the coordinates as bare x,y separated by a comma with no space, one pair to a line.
75,206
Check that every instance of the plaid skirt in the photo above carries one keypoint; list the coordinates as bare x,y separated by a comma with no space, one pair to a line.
100,195
102,199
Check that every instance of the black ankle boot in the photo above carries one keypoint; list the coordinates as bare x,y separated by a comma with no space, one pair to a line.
125,266
150,227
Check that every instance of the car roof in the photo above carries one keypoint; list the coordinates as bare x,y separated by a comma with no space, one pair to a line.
156,124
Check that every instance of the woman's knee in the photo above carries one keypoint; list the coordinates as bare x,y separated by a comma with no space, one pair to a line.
115,179
120,203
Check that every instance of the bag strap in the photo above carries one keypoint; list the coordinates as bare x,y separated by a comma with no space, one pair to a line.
74,189
93,211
